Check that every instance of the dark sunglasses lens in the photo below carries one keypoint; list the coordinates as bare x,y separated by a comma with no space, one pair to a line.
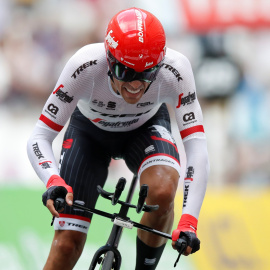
122,73
150,75
126,74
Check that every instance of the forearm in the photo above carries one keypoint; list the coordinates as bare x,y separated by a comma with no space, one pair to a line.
196,177
40,153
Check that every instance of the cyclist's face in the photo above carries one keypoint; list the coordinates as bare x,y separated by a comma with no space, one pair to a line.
130,91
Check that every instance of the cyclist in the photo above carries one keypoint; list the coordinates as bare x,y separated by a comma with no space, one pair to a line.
116,97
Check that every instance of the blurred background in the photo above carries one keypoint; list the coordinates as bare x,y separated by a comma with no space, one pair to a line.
228,45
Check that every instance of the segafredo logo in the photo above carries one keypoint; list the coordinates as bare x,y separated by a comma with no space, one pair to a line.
140,25
112,43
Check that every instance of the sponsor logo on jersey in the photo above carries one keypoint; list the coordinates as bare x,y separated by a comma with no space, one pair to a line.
189,116
76,225
67,143
119,124
110,40
189,177
140,26
62,223
189,174
150,261
149,149
152,161
186,191
63,96
173,70
111,105
52,110
45,165
118,115
37,152
98,103
71,224
144,104
83,67
189,99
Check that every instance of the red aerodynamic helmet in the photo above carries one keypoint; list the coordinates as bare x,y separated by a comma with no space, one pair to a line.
136,39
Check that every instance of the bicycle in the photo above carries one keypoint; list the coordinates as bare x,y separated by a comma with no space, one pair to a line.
108,256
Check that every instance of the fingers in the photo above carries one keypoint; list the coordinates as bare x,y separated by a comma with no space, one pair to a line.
69,198
186,252
50,206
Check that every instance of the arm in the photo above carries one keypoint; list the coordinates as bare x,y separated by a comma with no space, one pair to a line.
56,112
190,123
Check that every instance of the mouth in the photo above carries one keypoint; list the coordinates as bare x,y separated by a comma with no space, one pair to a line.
134,92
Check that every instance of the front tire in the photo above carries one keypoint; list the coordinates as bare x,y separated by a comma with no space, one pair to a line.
108,261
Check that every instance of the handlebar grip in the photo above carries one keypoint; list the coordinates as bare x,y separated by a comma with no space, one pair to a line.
59,203
181,244
118,190
142,196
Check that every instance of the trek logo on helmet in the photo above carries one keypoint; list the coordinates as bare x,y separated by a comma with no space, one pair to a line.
111,42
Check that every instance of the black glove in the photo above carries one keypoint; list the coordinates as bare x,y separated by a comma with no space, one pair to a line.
192,240
53,193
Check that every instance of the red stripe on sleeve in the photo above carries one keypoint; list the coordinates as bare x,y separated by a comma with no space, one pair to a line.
184,133
50,123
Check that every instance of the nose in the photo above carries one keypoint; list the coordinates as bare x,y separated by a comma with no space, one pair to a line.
136,84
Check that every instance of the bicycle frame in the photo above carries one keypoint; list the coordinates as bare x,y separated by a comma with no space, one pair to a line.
116,232
121,220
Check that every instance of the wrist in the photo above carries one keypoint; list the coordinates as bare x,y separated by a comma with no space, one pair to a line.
56,180
187,223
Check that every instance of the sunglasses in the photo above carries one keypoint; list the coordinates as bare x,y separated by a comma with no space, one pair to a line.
126,74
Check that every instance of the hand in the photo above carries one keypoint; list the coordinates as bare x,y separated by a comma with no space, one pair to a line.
187,227
51,194
193,243
57,188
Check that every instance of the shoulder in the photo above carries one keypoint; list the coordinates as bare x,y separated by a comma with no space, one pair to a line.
175,56
92,55
175,65
176,60
95,49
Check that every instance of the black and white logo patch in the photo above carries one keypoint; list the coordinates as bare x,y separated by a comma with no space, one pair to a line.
149,149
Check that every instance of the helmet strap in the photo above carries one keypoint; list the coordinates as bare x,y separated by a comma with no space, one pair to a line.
110,75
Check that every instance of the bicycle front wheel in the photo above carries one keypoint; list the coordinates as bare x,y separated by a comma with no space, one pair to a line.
108,261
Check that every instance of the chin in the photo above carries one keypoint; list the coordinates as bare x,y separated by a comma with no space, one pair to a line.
132,101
